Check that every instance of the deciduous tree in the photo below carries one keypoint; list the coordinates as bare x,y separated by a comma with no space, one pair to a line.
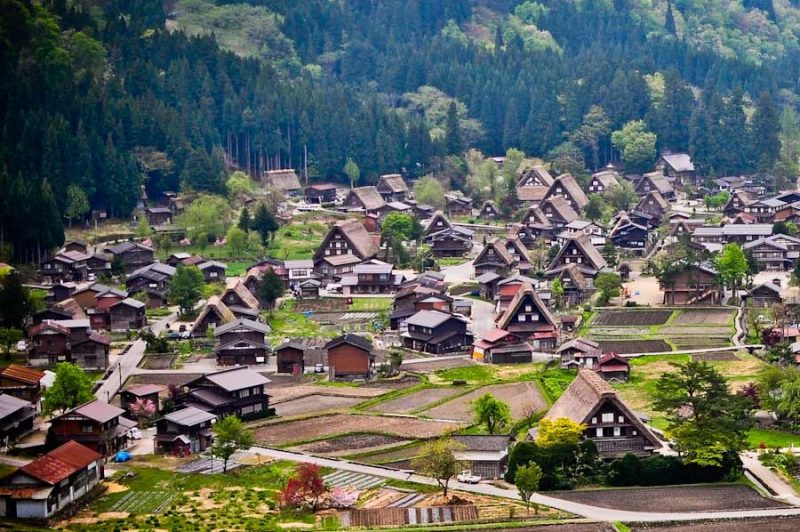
527,482
732,266
491,412
186,287
8,337
77,203
71,387
429,191
437,459
271,288
230,435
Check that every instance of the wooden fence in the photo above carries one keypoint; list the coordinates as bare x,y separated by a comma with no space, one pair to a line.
408,516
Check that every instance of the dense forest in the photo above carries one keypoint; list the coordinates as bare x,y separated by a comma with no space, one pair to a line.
102,98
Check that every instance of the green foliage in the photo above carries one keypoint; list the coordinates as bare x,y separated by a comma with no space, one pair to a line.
717,201
561,431
523,453
490,412
732,266
352,172
437,460
238,184
594,209
186,287
9,336
622,197
271,288
609,285
205,219
429,191
77,203
527,480
401,227
15,301
557,292
236,240
637,144
71,387
706,421
230,435
264,223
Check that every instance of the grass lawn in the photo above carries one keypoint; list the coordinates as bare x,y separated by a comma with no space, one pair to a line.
771,438
236,269
370,304
451,261
472,374
160,499
297,241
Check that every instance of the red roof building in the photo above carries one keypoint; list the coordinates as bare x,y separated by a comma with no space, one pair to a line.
613,367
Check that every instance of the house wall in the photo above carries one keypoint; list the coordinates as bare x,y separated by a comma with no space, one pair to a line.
348,360
287,357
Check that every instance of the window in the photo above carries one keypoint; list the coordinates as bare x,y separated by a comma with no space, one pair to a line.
522,317
528,308
244,393
598,432
534,317
621,419
87,427
608,418
617,431
594,421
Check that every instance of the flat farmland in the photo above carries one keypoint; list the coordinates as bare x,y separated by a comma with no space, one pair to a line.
724,356
520,396
337,424
315,403
392,455
634,346
415,401
351,443
696,330
674,498
704,317
434,365
625,318
773,524
289,391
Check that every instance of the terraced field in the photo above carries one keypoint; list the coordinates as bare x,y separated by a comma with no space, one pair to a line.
415,401
521,397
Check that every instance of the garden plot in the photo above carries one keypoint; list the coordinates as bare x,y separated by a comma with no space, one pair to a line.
326,426
773,524
392,455
289,392
415,401
632,318
207,466
143,502
696,317
725,356
348,479
351,443
521,397
434,365
673,499
314,403
624,347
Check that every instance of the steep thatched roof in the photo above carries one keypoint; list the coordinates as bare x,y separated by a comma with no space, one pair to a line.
216,306
285,180
367,197
236,285
526,291
392,182
570,187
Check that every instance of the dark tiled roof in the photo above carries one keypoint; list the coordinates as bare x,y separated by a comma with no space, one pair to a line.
353,339
484,442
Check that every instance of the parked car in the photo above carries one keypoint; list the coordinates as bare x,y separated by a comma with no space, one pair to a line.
319,368
22,345
135,434
467,477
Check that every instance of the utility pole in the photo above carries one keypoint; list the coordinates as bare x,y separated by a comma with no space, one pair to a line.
305,162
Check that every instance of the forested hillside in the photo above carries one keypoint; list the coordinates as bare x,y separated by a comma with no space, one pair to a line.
101,98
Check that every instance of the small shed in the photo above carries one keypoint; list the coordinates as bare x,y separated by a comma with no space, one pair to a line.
309,289
613,367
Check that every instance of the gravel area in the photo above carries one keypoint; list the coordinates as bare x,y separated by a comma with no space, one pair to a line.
674,498
520,396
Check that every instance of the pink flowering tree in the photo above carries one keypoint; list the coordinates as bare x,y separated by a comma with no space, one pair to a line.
144,410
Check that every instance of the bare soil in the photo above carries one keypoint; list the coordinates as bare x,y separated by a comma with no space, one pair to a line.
315,403
674,498
435,365
632,317
320,427
634,346
405,453
414,401
520,396
773,524
284,393
703,317
158,361
353,442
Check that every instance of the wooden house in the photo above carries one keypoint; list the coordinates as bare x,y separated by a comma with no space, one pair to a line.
237,391
50,483
453,241
763,210
736,203
739,233
495,258
436,332
241,342
529,318
284,180
577,287
458,205
557,210
653,204
632,237
392,187
579,251
603,180
321,193
185,431
489,210
16,418
96,424
295,355
236,294
438,222
213,271
579,353
364,199
487,283
350,357
49,343
309,289
127,314
696,283
485,455
502,347
214,314
765,295
88,297
567,187
655,181
158,215
770,254
144,392
346,244
152,279
132,255
373,277
60,291
524,234
677,166
519,254
614,428
91,352
23,383
533,185
613,368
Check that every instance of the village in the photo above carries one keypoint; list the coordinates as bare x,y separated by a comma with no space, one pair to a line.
381,329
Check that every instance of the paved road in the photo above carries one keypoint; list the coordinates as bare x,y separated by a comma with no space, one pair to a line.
460,273
780,487
128,363
482,320
584,510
